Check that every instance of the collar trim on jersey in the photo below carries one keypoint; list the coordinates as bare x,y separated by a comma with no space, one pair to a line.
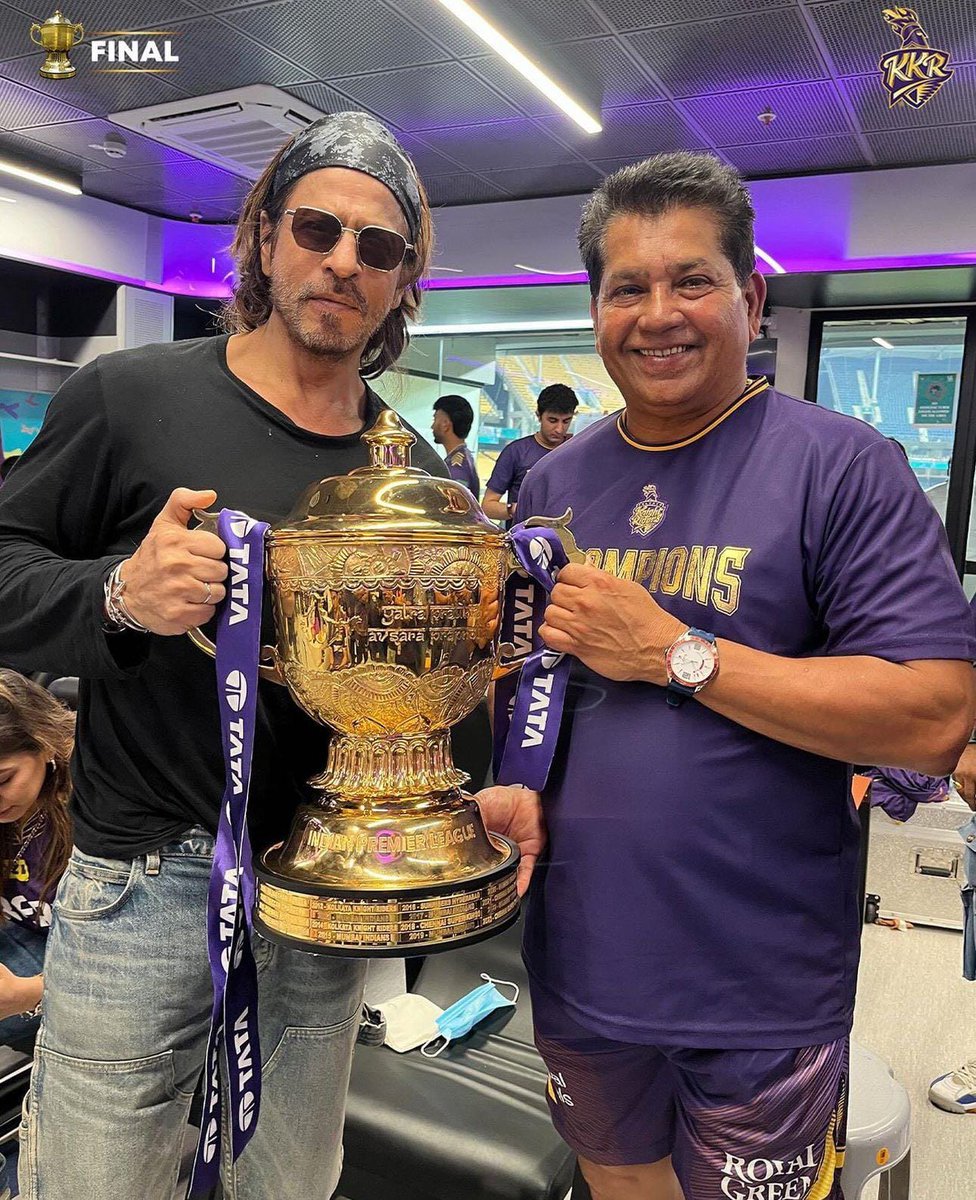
753,388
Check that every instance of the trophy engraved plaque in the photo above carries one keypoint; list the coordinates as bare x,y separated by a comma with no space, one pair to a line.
386,586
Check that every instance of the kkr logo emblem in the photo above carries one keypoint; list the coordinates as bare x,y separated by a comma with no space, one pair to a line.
648,513
915,71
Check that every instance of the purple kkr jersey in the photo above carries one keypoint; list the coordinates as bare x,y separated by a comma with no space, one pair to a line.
512,466
460,466
21,898
700,884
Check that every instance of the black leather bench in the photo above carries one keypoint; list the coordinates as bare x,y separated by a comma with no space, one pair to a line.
472,1124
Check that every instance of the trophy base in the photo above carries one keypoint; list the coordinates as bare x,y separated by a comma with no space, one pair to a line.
323,918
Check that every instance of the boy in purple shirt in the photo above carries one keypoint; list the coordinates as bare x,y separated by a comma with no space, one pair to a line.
768,597
453,418
556,408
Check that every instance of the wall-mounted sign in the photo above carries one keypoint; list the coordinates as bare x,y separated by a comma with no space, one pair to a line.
935,401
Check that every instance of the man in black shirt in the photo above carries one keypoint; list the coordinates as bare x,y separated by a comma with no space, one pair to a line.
99,574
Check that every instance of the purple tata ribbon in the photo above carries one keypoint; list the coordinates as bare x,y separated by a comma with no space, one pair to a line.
234,1025
528,710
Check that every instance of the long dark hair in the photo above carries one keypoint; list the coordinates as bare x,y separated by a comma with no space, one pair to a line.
251,304
32,721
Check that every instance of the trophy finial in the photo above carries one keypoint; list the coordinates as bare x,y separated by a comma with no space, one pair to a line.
388,441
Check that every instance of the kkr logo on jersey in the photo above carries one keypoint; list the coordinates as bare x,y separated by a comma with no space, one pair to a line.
914,72
709,575
648,513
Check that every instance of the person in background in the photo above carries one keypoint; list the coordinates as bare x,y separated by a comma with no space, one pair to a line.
36,737
453,418
556,408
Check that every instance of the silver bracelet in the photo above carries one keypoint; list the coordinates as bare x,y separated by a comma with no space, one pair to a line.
117,615
35,1011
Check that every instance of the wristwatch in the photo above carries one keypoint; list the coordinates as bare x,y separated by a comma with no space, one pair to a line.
692,662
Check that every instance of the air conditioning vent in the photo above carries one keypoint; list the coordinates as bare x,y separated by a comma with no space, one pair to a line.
237,130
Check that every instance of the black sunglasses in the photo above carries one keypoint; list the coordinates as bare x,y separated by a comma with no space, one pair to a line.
319,231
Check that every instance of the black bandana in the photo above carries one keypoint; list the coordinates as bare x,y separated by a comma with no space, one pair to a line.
357,141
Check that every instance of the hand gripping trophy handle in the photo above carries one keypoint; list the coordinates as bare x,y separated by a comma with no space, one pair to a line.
269,668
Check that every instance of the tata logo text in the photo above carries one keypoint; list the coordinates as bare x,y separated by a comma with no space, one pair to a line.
121,51
245,1070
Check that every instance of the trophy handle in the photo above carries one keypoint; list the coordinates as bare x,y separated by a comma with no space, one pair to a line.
35,29
269,668
508,663
79,32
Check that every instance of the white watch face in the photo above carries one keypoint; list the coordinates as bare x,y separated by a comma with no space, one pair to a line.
692,661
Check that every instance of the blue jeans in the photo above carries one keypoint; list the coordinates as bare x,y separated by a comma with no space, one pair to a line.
21,951
123,1036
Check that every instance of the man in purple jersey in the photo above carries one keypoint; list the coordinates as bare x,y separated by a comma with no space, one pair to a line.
768,597
453,418
556,408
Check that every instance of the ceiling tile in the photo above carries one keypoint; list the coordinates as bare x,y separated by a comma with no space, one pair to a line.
638,131
80,137
327,40
560,180
802,110
22,107
601,64
193,177
910,147
439,24
953,104
215,56
462,189
502,145
646,14
789,158
95,92
427,160
856,34
33,153
441,95
724,56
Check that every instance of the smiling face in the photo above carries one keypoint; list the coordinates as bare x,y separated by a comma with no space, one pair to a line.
21,779
330,304
672,325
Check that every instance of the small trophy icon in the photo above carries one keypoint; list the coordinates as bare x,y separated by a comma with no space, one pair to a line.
57,36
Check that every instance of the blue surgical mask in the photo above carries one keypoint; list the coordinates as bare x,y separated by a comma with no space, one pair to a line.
464,1014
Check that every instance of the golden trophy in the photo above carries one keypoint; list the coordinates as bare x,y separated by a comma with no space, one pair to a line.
57,36
386,585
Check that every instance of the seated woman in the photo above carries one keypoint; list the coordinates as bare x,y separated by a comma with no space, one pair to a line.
36,736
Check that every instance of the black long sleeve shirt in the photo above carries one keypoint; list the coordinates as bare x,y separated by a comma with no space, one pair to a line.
120,435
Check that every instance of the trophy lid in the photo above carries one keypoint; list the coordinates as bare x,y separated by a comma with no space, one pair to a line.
388,497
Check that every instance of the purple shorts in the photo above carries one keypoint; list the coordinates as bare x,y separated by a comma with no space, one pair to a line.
738,1124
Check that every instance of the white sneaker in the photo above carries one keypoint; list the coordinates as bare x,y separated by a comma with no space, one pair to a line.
956,1092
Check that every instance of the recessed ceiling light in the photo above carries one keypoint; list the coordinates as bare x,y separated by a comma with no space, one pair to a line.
523,64
33,176
453,270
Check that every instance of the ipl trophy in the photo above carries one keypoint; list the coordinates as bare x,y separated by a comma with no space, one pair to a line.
386,586
57,36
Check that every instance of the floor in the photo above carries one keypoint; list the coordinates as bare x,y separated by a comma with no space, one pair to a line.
916,1011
